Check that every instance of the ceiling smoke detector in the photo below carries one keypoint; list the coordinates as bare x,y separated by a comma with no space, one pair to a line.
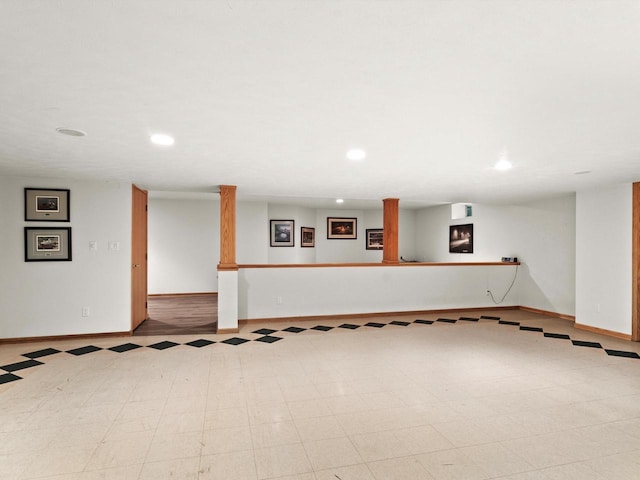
71,132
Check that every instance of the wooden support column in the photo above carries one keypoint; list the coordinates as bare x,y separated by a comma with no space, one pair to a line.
228,228
635,294
390,232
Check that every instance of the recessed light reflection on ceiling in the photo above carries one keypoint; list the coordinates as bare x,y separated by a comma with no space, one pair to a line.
503,162
583,172
339,200
356,154
162,139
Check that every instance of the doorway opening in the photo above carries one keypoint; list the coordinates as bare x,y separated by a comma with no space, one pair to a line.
180,315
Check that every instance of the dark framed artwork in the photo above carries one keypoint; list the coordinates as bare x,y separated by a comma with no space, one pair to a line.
46,205
342,228
374,239
44,244
307,237
461,238
282,233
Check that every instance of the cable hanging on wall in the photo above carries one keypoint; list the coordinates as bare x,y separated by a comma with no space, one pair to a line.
490,293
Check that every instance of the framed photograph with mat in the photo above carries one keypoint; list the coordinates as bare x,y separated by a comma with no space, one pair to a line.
46,205
342,228
461,238
282,233
374,239
44,244
308,237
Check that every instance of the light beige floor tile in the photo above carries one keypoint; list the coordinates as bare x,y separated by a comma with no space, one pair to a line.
268,413
225,440
236,465
494,460
451,465
59,460
623,466
319,428
309,409
182,469
226,418
170,446
330,453
273,434
131,472
351,472
281,461
404,468
181,422
126,449
378,446
421,439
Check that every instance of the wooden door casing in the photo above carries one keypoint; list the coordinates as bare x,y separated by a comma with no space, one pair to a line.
138,257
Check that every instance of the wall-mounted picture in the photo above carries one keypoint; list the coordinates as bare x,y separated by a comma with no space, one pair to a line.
43,244
342,228
374,239
282,233
46,205
461,238
308,237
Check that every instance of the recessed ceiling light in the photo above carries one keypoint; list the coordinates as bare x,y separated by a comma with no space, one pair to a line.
71,131
356,154
162,139
339,200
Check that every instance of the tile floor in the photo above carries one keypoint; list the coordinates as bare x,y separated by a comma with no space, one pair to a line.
521,398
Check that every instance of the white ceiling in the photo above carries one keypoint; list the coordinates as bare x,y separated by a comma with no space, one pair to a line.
268,95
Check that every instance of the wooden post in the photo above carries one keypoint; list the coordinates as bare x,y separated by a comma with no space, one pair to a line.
390,232
227,228
635,254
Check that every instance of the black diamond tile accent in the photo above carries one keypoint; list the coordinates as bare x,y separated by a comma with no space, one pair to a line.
14,367
268,339
580,343
487,317
398,322
200,343
471,319
84,350
265,331
163,345
447,320
620,353
322,328
41,353
505,322
530,329
350,326
374,324
9,377
423,322
125,347
294,329
235,341
557,335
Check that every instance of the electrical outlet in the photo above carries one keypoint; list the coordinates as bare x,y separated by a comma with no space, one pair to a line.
278,300
85,312
488,293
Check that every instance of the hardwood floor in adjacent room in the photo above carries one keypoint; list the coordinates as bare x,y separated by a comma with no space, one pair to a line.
180,315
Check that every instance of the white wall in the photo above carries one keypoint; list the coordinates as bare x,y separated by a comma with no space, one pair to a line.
541,234
183,245
603,258
290,292
46,298
252,232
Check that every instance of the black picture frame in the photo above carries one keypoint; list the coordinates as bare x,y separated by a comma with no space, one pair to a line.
282,233
344,228
461,238
307,237
47,244
374,239
47,205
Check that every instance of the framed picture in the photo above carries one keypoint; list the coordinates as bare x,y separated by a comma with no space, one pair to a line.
46,205
461,238
342,228
374,239
308,237
282,233
42,244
